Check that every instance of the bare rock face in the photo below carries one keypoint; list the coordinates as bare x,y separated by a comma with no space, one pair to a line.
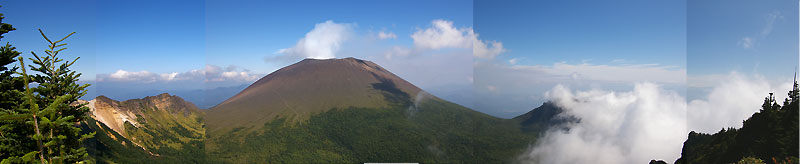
108,112
116,114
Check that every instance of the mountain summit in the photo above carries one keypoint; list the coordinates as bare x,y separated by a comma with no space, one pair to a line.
163,127
308,87
352,111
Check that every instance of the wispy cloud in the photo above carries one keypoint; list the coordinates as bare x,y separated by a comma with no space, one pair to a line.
488,49
607,73
215,73
520,86
383,35
749,42
397,51
513,61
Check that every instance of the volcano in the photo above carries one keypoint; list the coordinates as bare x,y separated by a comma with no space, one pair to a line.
308,87
352,111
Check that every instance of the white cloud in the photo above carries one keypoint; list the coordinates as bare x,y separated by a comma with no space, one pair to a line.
442,34
746,42
322,42
732,100
609,73
513,61
615,127
749,42
122,75
386,35
770,23
397,51
231,73
532,80
645,123
482,50
491,88
211,73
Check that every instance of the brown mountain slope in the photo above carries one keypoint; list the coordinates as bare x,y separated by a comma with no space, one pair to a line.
114,113
164,126
308,87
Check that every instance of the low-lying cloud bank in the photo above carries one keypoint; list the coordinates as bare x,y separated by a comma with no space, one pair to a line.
513,89
615,127
211,73
734,98
645,123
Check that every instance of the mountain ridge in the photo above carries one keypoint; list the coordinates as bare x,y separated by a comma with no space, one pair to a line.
156,127
308,87
350,111
358,112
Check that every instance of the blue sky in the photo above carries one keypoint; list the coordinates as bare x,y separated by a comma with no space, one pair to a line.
752,38
56,19
158,36
597,32
609,45
531,46
738,52
253,30
133,49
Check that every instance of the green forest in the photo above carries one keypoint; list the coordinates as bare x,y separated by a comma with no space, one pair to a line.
358,135
768,136
43,121
37,123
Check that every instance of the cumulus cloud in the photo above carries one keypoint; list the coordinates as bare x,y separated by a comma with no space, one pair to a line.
733,99
322,42
646,123
386,35
615,127
482,49
146,76
231,73
211,73
442,34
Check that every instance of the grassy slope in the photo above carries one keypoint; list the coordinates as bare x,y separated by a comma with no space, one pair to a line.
172,138
438,131
108,146
434,130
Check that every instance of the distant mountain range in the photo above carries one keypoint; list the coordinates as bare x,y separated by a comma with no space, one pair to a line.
163,128
336,110
203,98
353,111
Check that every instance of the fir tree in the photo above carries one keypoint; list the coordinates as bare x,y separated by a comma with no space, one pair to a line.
14,134
57,138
